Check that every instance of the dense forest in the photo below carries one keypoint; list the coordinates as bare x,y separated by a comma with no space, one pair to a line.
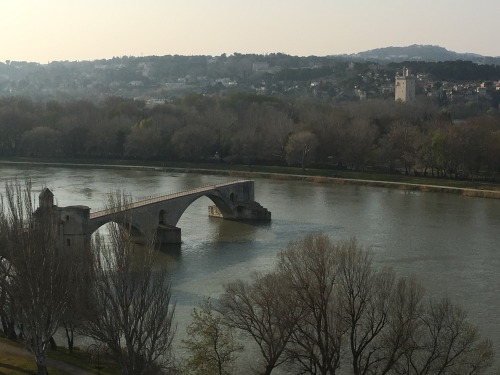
413,138
454,71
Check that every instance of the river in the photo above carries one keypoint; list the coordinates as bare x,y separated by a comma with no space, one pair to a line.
448,241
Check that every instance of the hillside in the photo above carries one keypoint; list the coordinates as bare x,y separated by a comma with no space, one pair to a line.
165,78
417,52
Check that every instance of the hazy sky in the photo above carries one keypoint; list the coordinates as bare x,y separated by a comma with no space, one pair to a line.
48,30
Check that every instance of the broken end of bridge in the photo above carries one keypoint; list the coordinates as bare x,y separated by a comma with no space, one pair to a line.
245,211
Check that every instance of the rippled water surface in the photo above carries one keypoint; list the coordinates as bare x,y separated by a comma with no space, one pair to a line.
448,241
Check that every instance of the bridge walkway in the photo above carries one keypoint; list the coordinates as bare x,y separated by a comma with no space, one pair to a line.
165,197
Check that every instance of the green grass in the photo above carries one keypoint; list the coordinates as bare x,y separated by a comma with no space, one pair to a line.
12,364
80,358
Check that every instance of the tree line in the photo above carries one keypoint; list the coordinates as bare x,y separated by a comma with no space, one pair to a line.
454,71
323,309
413,138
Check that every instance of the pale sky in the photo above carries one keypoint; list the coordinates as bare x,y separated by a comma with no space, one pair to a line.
52,30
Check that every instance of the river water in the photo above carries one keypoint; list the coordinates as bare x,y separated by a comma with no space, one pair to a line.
450,242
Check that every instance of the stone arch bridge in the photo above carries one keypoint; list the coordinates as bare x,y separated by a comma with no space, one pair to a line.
157,216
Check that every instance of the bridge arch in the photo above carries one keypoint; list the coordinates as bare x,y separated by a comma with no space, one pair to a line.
128,225
160,215
225,207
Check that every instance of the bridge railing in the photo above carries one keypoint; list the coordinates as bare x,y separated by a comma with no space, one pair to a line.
164,197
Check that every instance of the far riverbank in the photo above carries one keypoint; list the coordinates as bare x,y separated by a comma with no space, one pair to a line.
309,175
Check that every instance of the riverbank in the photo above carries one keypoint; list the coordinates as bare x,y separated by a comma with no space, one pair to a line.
409,183
16,360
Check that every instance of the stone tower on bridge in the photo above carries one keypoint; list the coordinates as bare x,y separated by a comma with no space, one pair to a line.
71,221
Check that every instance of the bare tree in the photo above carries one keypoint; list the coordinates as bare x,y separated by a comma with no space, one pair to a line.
7,306
129,307
372,318
357,142
73,318
405,307
447,343
364,297
380,310
263,309
301,148
278,129
37,275
310,265
210,342
346,315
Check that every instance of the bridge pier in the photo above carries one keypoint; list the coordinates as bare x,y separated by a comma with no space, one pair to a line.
247,211
167,234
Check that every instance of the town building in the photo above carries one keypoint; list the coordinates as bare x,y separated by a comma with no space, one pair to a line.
405,86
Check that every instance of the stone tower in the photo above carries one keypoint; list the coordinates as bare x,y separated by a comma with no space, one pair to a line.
405,86
46,199
71,222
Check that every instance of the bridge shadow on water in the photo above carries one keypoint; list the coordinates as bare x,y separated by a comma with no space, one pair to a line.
240,231
209,245
173,250
221,232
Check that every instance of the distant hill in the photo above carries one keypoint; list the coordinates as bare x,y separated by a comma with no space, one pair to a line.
419,52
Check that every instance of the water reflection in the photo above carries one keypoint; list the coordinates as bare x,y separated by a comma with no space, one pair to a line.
448,241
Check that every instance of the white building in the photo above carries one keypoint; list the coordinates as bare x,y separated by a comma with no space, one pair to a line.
405,86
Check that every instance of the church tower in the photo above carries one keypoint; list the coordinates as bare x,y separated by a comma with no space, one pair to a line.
405,86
